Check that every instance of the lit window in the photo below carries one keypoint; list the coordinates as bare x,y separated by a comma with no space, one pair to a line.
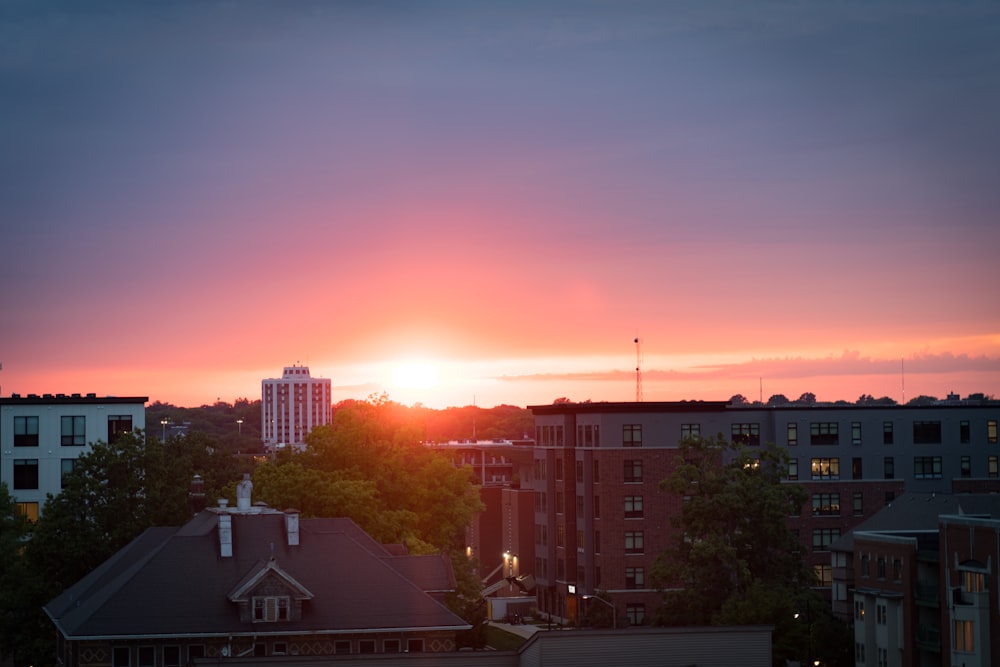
965,636
991,431
826,468
746,434
826,504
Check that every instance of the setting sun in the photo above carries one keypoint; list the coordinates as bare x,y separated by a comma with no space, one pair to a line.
415,375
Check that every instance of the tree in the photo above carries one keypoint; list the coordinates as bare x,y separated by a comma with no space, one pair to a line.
732,531
778,400
807,398
17,603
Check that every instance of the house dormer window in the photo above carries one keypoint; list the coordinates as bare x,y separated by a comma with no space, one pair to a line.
270,609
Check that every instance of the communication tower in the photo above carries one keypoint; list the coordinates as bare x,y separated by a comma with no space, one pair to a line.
638,370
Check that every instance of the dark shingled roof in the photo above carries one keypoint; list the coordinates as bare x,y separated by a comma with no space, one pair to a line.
173,582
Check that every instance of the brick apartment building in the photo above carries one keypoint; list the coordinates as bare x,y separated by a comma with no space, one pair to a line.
601,518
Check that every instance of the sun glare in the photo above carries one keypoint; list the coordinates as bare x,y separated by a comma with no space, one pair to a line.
416,375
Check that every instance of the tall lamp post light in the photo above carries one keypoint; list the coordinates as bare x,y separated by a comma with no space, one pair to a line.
239,426
614,611
163,423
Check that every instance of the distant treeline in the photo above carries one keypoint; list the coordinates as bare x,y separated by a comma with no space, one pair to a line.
221,422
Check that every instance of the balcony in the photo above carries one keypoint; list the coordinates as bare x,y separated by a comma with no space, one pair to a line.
928,638
927,594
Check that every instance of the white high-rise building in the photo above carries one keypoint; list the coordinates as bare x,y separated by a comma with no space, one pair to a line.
292,406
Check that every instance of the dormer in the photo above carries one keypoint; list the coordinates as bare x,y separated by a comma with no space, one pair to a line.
268,594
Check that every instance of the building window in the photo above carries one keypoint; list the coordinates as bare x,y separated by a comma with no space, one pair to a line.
858,504
824,433
880,567
559,469
897,569
926,433
171,656
633,542
826,468
560,503
580,542
560,535
887,437
391,646
991,431
118,425
859,653
633,507
793,434
25,431
826,504
855,433
824,574
888,467
856,468
597,541
25,474
597,507
366,646
579,506
74,431
632,435
859,610
342,646
689,431
927,467
415,645
269,609
66,466
823,537
633,470
579,472
597,472
973,582
28,510
146,656
964,433
746,434
965,466
195,652
635,577
793,469
121,656
965,636
636,613
991,467
866,570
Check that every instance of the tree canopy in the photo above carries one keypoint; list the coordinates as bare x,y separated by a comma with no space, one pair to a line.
732,531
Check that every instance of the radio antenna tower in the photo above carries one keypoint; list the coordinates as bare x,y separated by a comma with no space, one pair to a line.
638,369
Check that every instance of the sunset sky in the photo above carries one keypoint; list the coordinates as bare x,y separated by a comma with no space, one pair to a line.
775,197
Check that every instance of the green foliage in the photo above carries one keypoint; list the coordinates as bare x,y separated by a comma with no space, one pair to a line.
732,530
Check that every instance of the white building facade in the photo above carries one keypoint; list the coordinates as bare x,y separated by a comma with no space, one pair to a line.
41,437
292,406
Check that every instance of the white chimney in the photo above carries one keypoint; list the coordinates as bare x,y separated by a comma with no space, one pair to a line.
292,527
243,492
226,536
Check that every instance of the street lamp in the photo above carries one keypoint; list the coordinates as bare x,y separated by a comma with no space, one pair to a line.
163,423
239,426
614,612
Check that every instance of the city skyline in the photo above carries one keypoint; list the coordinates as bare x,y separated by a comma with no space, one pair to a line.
488,203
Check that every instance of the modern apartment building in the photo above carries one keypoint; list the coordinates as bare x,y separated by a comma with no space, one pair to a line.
922,581
41,438
293,405
601,518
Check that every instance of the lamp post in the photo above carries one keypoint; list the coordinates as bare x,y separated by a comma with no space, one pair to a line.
163,423
239,426
614,612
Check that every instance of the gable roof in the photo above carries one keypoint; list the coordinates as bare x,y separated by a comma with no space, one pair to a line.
173,582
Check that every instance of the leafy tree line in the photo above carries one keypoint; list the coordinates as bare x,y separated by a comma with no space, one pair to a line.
220,421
